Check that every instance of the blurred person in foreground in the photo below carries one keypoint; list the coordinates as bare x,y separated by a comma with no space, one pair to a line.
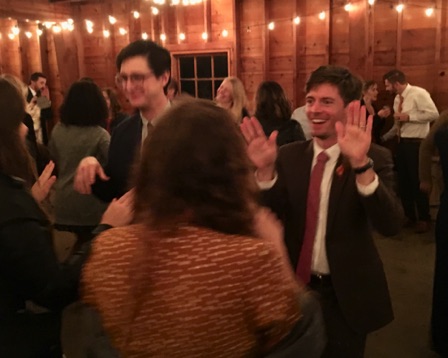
199,273
29,270
330,193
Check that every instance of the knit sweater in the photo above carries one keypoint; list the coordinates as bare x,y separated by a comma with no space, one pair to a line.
189,292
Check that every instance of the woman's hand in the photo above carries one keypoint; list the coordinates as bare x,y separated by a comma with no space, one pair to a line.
42,186
120,212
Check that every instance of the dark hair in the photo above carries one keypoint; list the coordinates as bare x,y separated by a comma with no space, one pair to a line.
158,57
14,157
209,180
113,99
36,75
87,79
367,85
349,86
395,76
271,103
84,105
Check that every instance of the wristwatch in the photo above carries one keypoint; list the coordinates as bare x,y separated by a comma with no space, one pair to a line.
364,168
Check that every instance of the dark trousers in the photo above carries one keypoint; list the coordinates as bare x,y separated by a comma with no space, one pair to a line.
342,340
412,197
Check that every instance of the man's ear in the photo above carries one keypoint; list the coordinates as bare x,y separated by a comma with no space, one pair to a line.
166,77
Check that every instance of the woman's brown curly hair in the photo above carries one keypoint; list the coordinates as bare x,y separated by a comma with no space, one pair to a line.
195,167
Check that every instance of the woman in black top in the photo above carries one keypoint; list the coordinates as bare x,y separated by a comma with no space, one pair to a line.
273,110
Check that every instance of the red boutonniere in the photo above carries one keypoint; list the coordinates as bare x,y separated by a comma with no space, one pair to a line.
340,170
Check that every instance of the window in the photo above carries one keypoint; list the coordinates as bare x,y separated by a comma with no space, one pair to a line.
200,75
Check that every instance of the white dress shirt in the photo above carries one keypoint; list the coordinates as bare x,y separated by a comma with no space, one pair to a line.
417,103
319,263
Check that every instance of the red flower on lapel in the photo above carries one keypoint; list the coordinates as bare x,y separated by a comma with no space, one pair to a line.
340,170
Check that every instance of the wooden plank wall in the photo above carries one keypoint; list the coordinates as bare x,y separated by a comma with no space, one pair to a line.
368,39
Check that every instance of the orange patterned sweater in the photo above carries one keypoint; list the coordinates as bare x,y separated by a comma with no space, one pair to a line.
192,292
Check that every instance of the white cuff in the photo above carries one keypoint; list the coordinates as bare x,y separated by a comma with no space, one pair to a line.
369,189
266,185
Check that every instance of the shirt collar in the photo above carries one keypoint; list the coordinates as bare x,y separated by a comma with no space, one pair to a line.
406,90
333,152
156,119
33,92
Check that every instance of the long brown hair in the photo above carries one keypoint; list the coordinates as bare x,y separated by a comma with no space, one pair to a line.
14,157
195,167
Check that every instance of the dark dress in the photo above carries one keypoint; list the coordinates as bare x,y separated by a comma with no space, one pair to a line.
377,126
439,322
288,131
29,271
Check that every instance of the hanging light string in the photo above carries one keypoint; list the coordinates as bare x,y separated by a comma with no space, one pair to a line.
157,6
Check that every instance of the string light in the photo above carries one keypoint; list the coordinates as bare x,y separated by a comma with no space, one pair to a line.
106,33
122,31
163,37
399,7
144,36
429,11
39,32
271,26
348,7
112,20
296,20
136,14
11,36
225,33
204,36
154,10
322,15
182,36
371,2
28,34
57,29
15,30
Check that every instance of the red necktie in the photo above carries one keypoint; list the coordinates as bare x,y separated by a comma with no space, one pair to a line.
303,270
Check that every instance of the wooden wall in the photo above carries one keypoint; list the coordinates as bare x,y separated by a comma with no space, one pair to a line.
368,39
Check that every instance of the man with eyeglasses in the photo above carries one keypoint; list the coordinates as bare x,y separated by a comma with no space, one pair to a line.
143,75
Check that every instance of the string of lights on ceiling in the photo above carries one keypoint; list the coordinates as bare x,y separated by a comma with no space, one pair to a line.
69,24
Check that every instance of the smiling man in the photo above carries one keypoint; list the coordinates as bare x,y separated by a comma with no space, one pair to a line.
329,192
143,75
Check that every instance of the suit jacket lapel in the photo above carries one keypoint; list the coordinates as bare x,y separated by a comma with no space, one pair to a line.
340,176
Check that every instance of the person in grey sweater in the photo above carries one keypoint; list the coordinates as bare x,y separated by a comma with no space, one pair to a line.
79,134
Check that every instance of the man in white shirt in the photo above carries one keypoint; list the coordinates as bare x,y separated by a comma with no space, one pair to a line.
414,110
329,239
299,115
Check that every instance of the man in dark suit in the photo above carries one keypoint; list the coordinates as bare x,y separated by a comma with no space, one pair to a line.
36,92
328,220
144,72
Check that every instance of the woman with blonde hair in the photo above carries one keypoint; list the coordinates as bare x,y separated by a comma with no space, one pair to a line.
231,95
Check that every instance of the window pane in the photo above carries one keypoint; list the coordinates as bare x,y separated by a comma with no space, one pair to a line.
188,87
204,66
205,89
186,67
220,66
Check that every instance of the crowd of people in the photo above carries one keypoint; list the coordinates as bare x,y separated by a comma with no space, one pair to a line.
202,230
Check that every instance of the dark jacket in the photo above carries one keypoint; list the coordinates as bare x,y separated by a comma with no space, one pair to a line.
29,270
123,149
356,269
288,131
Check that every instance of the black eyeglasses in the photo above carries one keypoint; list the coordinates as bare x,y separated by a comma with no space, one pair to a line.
136,79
